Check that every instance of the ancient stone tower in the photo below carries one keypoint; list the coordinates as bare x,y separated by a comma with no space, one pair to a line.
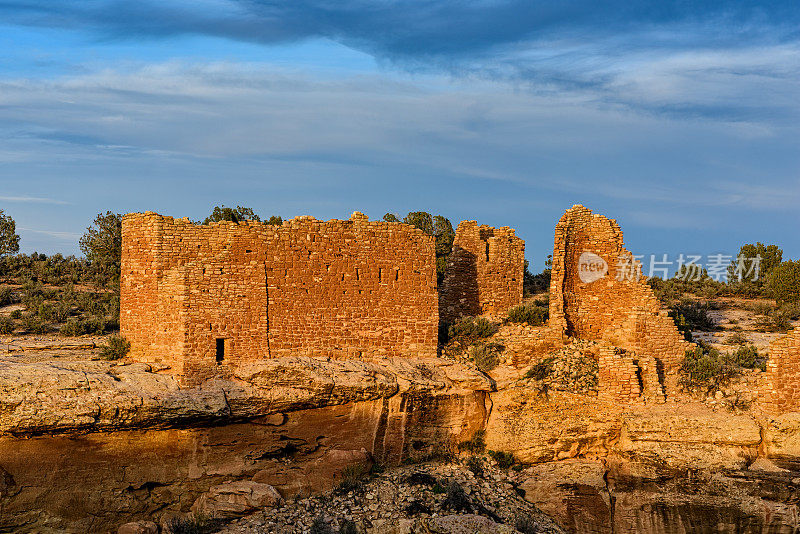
484,272
597,293
203,299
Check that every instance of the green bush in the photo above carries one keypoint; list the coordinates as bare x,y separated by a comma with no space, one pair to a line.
532,313
352,478
783,283
747,356
6,326
476,444
526,524
457,499
486,355
73,328
692,315
34,325
116,347
348,527
16,314
320,526
471,328
504,459
199,524
541,369
706,368
475,464
737,339
6,296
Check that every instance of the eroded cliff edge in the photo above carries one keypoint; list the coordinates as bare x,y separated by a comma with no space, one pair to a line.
86,445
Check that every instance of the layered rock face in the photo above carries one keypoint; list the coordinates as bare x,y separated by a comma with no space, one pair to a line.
86,446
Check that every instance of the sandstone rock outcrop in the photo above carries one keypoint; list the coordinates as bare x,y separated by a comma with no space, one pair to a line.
86,445
236,498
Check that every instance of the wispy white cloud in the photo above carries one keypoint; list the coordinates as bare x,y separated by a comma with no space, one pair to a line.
66,236
31,200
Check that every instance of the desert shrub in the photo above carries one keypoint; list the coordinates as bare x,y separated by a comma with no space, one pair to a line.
738,338
199,524
780,321
416,508
352,478
475,464
541,369
471,329
532,313
45,311
504,459
475,444
6,326
116,347
16,314
419,478
747,356
759,307
6,296
783,283
693,315
526,524
320,526
485,355
72,328
790,310
97,324
457,499
347,527
34,325
775,321
705,368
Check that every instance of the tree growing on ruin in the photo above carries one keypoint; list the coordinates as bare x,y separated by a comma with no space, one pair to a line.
102,245
237,215
9,240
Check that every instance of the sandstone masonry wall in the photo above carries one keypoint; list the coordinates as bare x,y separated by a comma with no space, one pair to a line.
484,272
352,289
781,389
595,298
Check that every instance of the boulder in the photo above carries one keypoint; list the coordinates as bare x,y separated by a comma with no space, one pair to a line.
234,499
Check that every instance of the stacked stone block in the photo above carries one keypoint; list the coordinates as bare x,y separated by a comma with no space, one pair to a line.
781,385
618,307
617,376
484,272
350,289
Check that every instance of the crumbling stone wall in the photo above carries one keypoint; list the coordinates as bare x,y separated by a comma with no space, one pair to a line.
596,294
626,377
351,289
780,392
484,272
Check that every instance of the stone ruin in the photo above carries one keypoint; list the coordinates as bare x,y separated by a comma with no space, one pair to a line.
597,293
484,272
781,385
203,299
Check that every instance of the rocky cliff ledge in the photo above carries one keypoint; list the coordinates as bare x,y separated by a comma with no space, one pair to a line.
86,445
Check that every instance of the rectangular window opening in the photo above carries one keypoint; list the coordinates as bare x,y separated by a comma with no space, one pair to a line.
358,273
380,275
487,251
396,275
220,349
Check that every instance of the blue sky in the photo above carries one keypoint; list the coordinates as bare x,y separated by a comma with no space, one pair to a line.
679,119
